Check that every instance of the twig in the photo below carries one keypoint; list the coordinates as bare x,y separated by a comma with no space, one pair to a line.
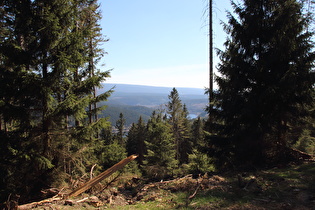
194,194
91,172
170,181
82,200
58,194
9,197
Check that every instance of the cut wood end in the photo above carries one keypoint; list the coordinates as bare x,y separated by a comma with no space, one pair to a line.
133,156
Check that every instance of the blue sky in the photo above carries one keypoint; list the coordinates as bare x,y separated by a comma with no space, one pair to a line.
160,42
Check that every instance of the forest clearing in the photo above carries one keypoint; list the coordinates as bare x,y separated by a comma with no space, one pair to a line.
286,187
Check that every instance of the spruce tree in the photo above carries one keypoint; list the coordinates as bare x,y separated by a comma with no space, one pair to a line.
267,78
199,160
178,114
131,145
136,140
186,143
45,88
198,133
160,160
120,126
107,135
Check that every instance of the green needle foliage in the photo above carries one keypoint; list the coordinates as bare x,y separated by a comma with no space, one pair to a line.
178,114
160,160
48,103
266,82
136,140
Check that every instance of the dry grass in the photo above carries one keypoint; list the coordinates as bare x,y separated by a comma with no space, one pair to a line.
278,188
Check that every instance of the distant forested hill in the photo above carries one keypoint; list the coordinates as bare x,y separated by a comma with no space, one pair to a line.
131,113
138,100
151,89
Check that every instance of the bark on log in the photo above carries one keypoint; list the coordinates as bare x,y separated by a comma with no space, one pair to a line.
102,176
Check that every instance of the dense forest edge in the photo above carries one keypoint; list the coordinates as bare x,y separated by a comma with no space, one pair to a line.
254,149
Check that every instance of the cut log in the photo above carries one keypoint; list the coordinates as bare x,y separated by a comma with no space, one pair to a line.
84,187
34,204
102,176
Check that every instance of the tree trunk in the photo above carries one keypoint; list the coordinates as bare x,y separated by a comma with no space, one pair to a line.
210,57
45,119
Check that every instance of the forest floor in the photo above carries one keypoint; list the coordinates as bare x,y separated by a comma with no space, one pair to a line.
290,187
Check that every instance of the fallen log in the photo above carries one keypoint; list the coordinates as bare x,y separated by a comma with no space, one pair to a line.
301,155
34,204
101,176
84,187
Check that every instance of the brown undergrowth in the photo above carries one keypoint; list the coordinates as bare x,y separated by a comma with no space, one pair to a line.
290,187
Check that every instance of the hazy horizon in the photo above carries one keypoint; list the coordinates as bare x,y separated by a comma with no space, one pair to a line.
158,86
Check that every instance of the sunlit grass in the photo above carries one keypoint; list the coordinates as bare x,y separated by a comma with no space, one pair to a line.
278,187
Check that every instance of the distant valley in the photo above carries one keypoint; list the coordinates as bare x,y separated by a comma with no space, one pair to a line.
138,100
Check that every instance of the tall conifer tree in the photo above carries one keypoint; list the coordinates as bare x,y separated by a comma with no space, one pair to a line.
267,76
160,160
45,86
198,134
136,140
120,126
178,114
